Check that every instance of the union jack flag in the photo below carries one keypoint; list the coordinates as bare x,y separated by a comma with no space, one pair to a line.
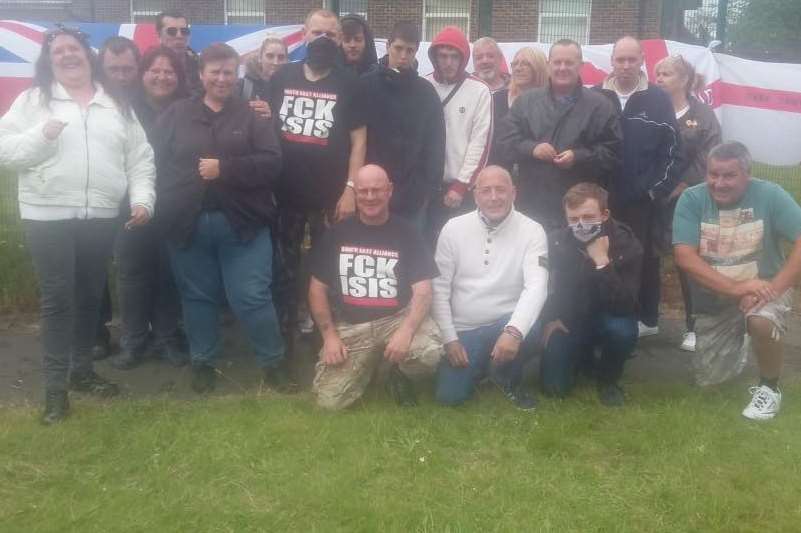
20,43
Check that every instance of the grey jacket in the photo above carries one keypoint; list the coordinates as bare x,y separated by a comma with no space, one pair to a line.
587,123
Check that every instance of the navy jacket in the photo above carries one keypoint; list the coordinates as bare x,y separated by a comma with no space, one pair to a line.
652,157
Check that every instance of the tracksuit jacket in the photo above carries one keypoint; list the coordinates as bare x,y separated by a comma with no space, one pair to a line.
652,157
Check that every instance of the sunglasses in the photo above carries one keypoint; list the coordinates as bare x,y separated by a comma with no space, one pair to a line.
173,32
64,30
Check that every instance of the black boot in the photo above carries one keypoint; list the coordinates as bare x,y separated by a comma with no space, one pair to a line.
126,360
204,378
279,379
175,354
56,407
102,347
93,384
611,395
401,388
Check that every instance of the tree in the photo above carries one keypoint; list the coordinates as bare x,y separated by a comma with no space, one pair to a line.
767,30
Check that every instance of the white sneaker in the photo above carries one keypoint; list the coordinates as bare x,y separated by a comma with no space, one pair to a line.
765,403
688,342
647,331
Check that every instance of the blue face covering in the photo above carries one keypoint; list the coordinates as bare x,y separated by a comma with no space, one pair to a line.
585,232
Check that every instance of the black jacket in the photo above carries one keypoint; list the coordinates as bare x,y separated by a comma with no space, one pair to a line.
250,161
192,66
252,86
500,108
588,125
370,56
700,132
405,133
652,158
579,290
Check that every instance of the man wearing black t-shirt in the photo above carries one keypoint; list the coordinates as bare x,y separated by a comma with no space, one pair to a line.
323,139
380,270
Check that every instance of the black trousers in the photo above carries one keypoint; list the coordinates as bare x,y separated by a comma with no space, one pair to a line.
645,221
70,258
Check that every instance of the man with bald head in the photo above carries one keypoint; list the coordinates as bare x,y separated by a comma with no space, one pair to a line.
492,285
380,270
652,166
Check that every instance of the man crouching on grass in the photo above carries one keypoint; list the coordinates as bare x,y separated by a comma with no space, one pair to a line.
727,236
380,270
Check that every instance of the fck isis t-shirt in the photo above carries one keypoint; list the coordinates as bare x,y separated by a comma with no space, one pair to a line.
315,120
371,269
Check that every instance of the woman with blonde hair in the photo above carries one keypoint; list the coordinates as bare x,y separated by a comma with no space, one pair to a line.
529,70
700,132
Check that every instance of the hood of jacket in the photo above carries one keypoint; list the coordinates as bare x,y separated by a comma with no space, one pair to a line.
253,67
396,78
370,56
455,38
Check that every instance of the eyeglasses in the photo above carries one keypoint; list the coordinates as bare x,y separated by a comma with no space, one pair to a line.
173,31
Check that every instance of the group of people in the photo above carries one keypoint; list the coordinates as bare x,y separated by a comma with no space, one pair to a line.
458,222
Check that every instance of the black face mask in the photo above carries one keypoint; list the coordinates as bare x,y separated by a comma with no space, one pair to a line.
321,53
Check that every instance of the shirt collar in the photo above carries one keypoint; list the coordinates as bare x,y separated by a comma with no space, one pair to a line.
100,97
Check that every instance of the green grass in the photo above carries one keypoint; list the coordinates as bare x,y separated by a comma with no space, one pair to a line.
674,459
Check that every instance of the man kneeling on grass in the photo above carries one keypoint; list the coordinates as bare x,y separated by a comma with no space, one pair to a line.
727,236
380,269
490,291
595,266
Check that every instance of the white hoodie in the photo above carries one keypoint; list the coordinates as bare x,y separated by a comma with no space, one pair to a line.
86,171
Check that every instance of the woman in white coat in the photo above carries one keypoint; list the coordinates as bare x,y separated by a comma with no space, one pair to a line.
77,149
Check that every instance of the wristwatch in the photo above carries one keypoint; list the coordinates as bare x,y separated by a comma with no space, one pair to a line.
349,184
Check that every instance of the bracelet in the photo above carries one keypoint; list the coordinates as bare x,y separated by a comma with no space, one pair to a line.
514,332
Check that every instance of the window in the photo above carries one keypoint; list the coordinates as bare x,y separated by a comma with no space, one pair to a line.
145,10
355,7
244,11
564,19
440,13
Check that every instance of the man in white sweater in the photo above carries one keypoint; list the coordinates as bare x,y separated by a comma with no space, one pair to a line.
467,106
492,286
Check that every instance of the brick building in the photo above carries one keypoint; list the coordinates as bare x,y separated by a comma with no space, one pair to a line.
587,21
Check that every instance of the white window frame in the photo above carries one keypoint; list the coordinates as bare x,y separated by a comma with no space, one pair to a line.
362,14
466,15
565,16
142,12
255,13
36,3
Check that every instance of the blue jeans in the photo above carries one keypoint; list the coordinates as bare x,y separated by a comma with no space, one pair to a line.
217,260
455,385
615,335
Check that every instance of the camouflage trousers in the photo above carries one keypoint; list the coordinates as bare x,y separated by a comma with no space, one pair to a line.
337,387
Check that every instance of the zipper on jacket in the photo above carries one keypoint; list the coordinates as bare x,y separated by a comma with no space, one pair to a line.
86,141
